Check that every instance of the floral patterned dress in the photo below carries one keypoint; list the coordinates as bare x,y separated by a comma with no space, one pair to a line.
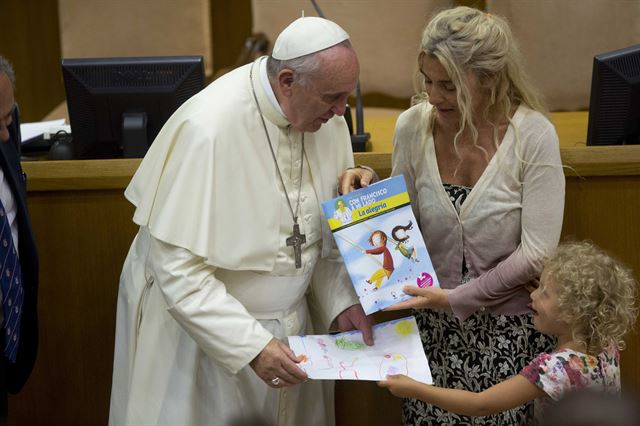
566,370
474,354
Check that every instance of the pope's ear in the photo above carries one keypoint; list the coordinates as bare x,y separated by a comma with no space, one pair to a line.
285,81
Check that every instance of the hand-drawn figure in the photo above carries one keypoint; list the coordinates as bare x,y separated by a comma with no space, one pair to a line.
393,364
348,370
325,356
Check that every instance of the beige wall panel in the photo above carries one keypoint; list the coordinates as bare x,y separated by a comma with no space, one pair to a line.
386,34
98,28
560,37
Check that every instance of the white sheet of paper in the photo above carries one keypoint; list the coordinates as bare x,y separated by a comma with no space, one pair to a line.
31,130
397,349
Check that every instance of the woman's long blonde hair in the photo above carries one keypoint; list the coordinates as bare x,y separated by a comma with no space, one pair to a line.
467,40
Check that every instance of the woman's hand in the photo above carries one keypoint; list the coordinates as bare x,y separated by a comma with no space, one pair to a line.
401,386
428,297
354,178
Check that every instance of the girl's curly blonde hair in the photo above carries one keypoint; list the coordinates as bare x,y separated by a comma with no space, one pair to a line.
596,294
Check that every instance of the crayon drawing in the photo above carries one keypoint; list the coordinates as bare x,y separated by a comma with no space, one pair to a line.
345,356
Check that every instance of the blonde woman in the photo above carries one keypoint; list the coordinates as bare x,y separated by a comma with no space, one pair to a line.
586,299
482,166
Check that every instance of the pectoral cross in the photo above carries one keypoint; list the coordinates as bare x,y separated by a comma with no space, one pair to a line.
297,240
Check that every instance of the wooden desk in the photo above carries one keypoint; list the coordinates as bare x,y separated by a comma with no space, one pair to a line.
83,228
381,122
572,132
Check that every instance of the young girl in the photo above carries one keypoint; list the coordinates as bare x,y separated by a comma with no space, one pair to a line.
586,299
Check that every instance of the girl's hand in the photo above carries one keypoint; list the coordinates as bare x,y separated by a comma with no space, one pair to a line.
401,385
428,297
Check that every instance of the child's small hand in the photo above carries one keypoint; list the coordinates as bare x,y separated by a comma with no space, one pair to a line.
400,385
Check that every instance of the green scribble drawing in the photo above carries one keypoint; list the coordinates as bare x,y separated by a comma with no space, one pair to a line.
348,345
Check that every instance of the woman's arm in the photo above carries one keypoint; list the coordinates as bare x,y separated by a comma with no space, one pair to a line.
542,203
504,396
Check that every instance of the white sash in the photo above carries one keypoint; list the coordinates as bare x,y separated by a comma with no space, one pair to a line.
269,297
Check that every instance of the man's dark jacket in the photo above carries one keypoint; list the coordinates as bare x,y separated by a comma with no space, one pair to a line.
16,374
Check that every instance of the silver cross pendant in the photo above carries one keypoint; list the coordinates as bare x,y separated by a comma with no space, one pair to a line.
297,240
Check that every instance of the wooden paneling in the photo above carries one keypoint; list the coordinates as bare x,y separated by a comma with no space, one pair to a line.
364,403
83,238
80,174
230,27
31,42
605,209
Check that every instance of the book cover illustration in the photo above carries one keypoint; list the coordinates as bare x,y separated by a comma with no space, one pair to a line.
382,247
344,356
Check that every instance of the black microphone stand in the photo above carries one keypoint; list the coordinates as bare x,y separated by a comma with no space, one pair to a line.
360,137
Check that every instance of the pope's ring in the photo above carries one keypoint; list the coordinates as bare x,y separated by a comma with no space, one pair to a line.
275,381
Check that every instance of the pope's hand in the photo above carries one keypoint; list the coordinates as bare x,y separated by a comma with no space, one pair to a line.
428,297
353,318
277,360
354,178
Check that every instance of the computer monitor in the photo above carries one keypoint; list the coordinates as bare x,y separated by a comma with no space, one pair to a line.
117,106
614,110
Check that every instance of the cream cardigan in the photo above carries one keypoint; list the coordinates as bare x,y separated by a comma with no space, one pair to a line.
511,219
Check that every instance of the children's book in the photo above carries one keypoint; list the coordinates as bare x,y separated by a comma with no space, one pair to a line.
397,349
380,242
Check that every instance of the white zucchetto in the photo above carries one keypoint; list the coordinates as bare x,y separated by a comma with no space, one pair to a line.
307,35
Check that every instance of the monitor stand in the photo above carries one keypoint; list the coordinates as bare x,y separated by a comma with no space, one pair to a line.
134,134
359,139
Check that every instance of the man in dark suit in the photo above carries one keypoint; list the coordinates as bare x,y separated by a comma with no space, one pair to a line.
19,319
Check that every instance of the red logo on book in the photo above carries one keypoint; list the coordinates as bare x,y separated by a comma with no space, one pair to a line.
424,280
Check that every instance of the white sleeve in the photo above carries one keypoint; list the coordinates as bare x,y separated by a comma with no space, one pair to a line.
218,322
331,291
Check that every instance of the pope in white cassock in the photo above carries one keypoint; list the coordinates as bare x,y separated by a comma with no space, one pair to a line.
233,253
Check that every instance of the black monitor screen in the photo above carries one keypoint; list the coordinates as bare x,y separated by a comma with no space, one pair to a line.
614,110
117,106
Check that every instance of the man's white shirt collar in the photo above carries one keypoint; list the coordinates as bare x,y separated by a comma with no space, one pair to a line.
264,79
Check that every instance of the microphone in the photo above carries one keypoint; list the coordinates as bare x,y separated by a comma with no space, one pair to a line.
360,137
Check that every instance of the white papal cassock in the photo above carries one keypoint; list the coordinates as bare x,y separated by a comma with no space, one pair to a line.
208,280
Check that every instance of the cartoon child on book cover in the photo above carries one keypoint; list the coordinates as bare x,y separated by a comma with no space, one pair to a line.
399,234
381,247
378,240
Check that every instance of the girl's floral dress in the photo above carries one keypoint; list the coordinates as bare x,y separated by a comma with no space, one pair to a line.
566,370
